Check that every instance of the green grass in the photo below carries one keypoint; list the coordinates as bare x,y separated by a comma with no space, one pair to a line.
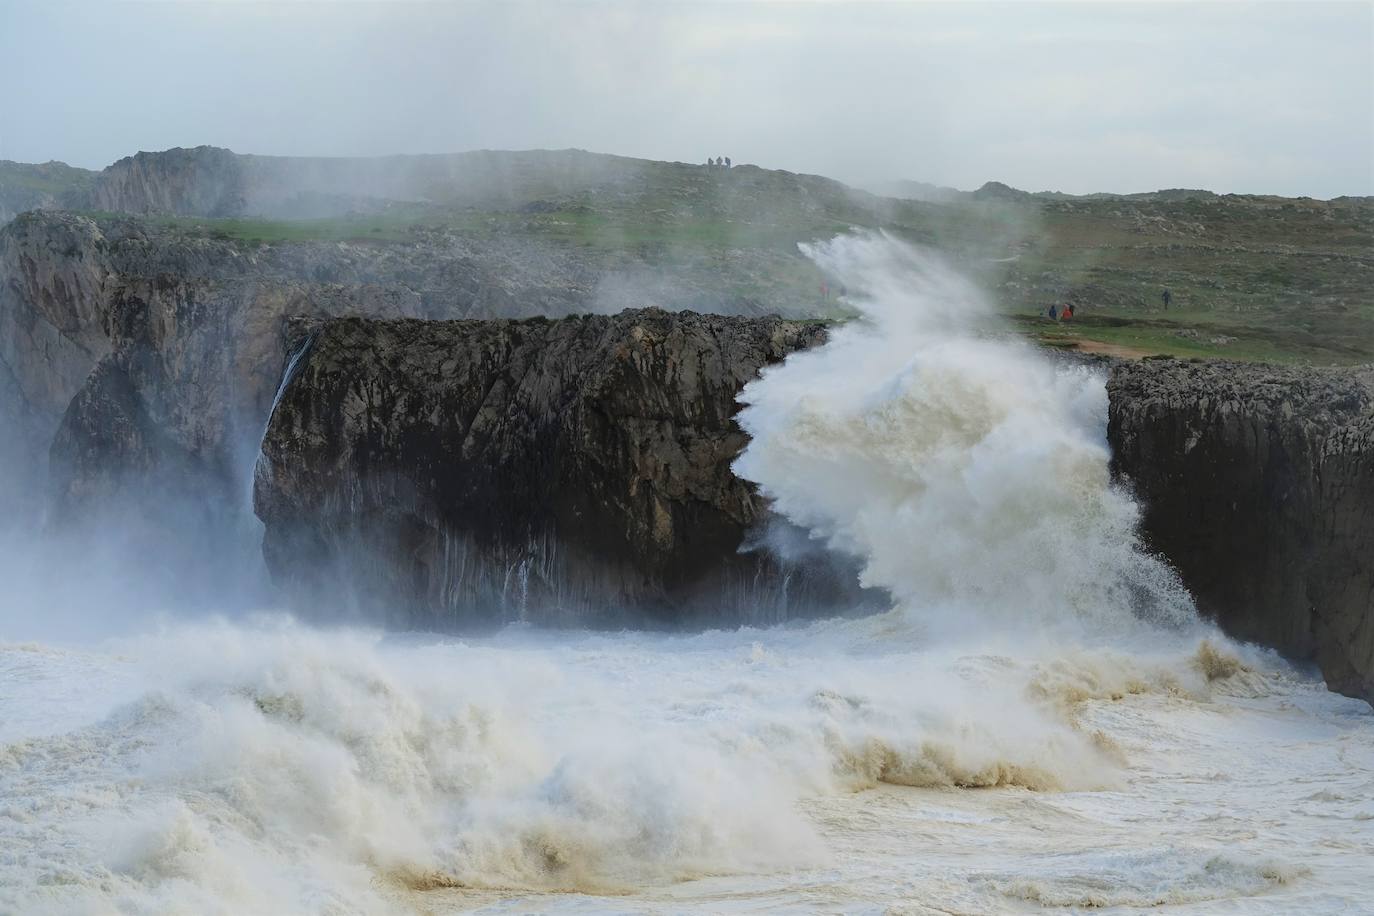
375,228
606,231
1196,338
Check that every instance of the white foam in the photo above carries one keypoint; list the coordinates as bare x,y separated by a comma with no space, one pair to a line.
966,471
276,767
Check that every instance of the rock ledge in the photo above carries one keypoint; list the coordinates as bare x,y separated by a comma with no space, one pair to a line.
1257,482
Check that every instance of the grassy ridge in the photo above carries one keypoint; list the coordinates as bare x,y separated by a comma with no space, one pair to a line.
53,178
1251,277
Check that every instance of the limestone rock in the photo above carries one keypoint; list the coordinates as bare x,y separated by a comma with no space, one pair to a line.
578,469
1257,483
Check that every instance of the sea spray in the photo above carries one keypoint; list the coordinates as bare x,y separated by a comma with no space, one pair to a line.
966,471
246,767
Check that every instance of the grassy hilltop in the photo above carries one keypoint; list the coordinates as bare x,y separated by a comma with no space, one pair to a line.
1251,277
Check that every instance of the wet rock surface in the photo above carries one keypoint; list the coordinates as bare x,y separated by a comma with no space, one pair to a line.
1257,482
451,472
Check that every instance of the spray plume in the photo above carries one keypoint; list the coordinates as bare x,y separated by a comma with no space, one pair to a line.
968,472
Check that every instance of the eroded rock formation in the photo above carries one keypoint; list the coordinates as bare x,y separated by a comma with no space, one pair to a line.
1257,482
457,471
185,329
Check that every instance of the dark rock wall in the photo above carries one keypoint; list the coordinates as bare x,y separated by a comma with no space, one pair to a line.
193,322
1257,482
458,471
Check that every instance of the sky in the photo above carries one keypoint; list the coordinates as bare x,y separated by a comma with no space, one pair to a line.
1265,97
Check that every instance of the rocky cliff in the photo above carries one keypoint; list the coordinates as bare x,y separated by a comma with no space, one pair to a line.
458,471
40,186
188,324
185,328
1257,482
204,181
53,277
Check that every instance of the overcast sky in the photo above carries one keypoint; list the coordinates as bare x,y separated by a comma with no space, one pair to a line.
1249,97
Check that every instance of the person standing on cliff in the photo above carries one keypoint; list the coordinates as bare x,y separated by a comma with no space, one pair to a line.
1167,297
727,162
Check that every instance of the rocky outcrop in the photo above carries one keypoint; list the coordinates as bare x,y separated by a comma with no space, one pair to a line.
40,186
458,471
1257,482
53,285
204,181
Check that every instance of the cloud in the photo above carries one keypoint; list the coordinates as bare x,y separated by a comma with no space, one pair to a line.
1265,97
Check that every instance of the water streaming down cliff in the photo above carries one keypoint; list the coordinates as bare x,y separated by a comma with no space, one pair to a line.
293,361
437,473
1124,754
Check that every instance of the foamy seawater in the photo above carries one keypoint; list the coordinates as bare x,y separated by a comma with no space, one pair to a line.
835,767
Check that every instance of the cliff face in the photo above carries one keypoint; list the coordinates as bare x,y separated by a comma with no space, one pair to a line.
461,471
51,304
204,181
53,276
192,326
180,398
185,329
1258,484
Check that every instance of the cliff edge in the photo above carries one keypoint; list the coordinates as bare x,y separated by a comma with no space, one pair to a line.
1257,482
